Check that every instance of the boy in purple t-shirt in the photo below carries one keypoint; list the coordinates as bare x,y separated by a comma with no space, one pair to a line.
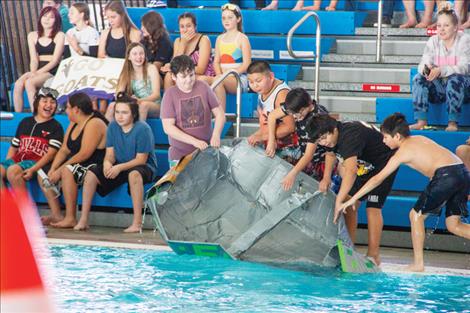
186,112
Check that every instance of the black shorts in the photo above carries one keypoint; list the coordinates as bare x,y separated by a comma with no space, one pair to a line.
376,197
449,186
107,185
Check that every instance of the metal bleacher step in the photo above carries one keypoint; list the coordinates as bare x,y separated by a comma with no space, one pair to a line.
358,74
369,58
389,47
344,86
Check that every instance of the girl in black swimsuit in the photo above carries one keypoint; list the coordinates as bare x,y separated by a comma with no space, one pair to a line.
46,46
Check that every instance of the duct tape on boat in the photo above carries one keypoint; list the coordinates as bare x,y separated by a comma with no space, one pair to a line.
284,55
380,87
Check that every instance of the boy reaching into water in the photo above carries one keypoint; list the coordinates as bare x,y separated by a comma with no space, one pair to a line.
187,110
449,182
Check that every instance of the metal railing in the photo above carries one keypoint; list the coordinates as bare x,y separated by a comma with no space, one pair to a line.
317,52
378,55
239,97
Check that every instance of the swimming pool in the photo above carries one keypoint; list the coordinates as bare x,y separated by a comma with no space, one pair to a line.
100,279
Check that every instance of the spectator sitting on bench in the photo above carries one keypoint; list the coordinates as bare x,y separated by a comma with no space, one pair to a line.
443,71
129,157
187,110
232,52
158,47
139,79
36,142
115,39
85,144
195,45
449,182
272,93
299,6
315,160
46,46
82,39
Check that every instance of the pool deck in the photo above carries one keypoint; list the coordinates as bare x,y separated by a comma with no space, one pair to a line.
394,260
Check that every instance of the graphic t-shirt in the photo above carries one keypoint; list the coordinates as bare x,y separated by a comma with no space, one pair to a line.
33,139
192,113
364,141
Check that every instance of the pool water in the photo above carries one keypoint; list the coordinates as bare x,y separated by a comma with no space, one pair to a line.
99,279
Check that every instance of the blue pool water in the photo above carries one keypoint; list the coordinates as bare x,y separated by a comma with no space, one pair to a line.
98,279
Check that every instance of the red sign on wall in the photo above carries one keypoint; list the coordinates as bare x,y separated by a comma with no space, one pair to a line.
380,88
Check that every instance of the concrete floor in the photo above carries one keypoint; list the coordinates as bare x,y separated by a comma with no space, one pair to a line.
393,259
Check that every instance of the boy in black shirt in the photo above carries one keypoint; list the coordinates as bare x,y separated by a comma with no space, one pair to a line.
361,152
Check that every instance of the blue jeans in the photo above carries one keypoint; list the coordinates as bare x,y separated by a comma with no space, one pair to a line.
449,89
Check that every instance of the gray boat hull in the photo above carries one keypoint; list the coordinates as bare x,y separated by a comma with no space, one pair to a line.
233,197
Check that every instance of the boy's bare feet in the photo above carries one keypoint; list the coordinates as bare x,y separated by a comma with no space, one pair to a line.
132,229
374,259
49,219
409,24
415,268
452,127
65,223
419,125
81,226
271,6
329,8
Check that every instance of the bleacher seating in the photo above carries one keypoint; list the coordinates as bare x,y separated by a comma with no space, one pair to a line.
260,22
117,198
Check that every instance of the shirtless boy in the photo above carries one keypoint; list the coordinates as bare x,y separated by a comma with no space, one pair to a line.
450,182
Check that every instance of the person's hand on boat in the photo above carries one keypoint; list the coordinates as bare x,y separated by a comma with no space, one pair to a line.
271,147
288,181
324,185
254,139
341,208
215,141
200,144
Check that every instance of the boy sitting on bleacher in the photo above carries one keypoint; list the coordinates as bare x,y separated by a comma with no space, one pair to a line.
450,182
187,110
272,93
129,157
37,140
314,161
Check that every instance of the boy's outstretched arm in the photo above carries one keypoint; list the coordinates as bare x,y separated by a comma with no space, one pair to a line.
218,127
330,160
272,119
348,179
289,179
391,166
